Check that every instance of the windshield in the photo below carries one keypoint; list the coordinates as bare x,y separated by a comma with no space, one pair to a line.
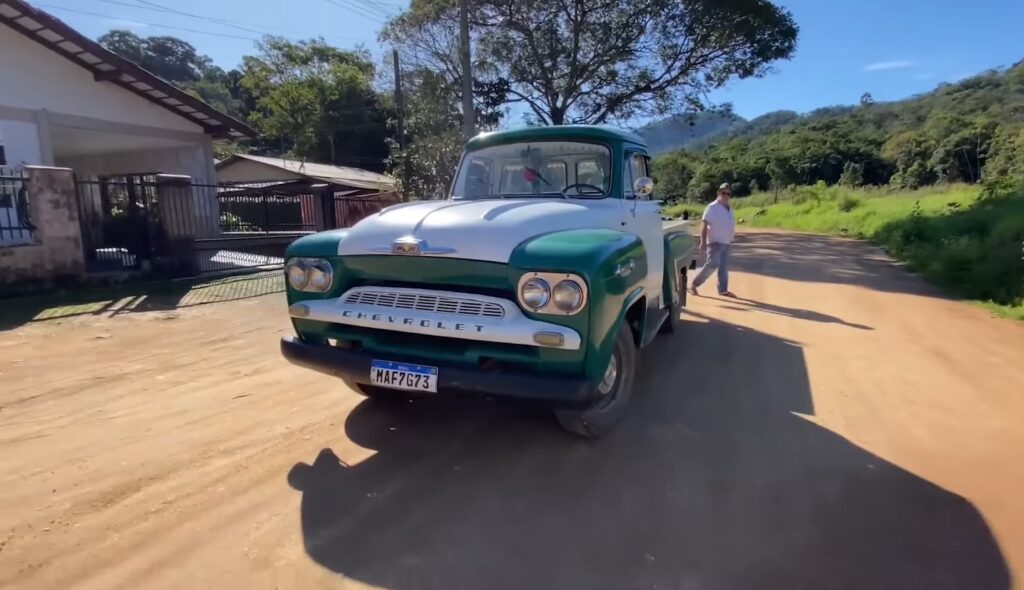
539,168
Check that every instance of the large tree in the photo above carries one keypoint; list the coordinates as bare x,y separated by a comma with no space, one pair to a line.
170,58
589,61
316,100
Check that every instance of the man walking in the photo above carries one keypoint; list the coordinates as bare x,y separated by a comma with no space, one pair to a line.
718,228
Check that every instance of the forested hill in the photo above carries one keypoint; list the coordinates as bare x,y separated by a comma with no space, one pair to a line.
963,132
682,131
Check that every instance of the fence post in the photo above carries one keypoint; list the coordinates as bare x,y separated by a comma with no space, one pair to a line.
54,206
179,224
328,216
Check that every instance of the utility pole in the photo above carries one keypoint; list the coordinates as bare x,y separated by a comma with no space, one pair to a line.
400,108
468,118
399,100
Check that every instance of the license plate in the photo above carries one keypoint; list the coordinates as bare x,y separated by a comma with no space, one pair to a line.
403,376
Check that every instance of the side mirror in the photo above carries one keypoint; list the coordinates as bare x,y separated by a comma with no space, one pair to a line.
643,187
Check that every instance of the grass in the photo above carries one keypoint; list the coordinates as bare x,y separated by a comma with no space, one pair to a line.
971,244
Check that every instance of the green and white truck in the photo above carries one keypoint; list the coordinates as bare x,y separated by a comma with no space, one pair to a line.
541,277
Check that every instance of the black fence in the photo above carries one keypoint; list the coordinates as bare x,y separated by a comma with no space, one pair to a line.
120,222
16,227
177,228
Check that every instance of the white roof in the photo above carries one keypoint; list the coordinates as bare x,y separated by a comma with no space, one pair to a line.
343,175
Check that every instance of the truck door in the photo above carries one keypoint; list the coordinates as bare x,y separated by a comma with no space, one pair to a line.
643,219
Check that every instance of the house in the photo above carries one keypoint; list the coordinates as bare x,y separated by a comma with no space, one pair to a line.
351,193
111,128
67,101
343,179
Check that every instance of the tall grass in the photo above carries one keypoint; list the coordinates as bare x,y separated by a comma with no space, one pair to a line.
958,237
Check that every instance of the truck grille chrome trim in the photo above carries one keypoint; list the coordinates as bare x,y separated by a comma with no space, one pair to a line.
463,306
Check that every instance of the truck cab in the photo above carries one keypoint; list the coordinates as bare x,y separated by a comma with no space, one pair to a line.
541,276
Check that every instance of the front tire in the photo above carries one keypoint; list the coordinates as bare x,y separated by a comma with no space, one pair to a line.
615,390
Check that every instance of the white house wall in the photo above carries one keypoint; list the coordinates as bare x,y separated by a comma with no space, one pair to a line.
21,143
35,77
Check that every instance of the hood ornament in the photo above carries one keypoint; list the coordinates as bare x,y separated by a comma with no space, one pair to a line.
411,246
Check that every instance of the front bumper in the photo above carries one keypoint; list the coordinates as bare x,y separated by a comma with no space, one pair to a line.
354,366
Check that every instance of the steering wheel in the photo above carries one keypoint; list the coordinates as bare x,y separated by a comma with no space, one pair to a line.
565,191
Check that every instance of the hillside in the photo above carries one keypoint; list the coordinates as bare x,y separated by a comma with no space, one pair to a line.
682,131
969,131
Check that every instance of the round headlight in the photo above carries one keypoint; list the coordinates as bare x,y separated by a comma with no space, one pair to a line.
298,277
320,276
568,296
535,293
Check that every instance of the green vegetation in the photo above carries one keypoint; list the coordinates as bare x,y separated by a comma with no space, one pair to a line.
967,239
965,132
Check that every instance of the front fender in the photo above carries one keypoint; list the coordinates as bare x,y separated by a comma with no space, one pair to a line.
680,251
614,265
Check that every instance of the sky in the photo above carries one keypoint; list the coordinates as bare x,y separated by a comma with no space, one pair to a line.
890,48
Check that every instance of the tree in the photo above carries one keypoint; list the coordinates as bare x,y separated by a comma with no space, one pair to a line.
589,61
434,129
780,176
318,100
866,99
170,58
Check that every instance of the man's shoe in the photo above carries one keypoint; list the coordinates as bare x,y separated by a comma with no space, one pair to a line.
693,291
727,294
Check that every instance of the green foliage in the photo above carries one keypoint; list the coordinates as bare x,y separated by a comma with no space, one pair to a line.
318,97
170,58
587,61
433,125
960,132
955,236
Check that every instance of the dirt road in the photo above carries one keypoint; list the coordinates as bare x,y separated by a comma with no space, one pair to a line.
841,426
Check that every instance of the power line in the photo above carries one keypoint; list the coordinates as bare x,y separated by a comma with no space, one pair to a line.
376,7
145,24
167,10
350,6
173,28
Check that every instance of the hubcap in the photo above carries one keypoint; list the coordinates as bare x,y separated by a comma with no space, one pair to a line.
609,376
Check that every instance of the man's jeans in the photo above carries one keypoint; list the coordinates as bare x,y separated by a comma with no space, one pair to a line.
718,257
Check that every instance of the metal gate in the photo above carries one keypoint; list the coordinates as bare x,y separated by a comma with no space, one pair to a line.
168,226
120,222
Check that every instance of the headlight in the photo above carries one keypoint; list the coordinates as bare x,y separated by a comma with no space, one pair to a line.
298,278
320,276
535,293
567,296
309,274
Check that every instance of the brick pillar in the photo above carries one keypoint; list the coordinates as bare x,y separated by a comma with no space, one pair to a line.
179,225
54,206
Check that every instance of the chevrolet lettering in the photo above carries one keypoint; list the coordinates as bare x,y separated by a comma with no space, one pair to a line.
541,277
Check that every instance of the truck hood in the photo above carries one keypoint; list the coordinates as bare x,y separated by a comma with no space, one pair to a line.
485,230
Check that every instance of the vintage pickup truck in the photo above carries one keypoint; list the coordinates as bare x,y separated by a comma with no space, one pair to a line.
540,277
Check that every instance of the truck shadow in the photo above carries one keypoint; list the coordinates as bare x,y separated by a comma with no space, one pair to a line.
714,480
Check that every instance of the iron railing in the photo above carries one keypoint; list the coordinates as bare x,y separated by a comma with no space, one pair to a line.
16,227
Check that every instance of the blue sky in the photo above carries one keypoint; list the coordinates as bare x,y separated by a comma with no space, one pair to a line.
890,48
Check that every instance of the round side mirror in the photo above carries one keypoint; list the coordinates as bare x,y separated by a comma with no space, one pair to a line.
643,186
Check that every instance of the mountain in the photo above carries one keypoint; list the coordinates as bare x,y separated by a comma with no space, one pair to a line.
681,131
967,131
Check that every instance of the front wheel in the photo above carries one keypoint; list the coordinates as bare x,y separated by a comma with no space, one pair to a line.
615,391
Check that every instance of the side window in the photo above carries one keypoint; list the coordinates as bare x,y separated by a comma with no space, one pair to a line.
637,168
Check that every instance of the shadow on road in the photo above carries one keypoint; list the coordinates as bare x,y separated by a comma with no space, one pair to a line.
791,312
714,481
138,297
824,259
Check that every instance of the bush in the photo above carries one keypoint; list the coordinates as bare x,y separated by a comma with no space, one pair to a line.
847,203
